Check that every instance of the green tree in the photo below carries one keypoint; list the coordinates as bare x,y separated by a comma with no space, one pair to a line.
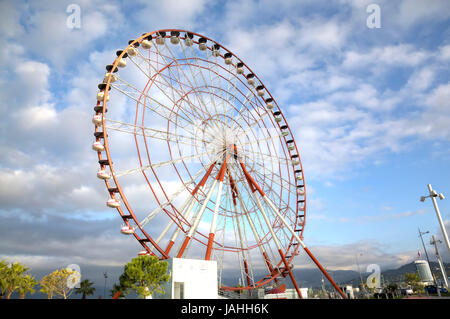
26,285
413,279
11,277
58,282
85,288
3,285
144,275
47,287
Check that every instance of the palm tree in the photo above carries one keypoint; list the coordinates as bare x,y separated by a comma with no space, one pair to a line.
26,285
3,278
85,289
13,277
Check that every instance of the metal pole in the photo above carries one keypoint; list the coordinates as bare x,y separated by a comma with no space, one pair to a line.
360,277
428,260
438,214
105,274
420,235
438,256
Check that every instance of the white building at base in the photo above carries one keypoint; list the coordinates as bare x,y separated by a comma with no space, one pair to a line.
190,279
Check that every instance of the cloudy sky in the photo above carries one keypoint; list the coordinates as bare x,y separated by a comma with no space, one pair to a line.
370,108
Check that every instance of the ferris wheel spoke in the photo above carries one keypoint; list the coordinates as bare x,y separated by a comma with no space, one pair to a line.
267,157
275,178
159,164
256,236
180,69
151,133
168,85
175,60
171,199
243,241
204,80
136,94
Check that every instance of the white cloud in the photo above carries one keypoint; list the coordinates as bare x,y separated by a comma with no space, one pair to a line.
411,12
389,55
322,33
171,14
343,257
50,38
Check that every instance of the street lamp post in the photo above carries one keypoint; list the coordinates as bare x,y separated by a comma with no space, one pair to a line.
105,274
433,195
423,244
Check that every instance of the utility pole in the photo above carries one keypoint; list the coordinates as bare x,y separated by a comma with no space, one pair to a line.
438,256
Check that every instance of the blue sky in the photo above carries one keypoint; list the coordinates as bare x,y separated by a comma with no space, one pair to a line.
369,107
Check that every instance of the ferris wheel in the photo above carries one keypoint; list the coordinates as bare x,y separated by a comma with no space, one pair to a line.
199,160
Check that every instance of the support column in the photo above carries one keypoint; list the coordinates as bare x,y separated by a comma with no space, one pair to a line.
212,231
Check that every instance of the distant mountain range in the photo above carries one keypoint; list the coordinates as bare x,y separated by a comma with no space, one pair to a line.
314,276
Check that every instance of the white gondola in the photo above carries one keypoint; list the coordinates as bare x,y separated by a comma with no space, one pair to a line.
97,119
112,75
215,50
103,174
240,68
132,51
161,39
202,44
146,44
260,90
277,116
101,95
269,103
188,42
301,192
122,63
113,203
127,230
188,39
227,57
174,37
98,146
251,79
